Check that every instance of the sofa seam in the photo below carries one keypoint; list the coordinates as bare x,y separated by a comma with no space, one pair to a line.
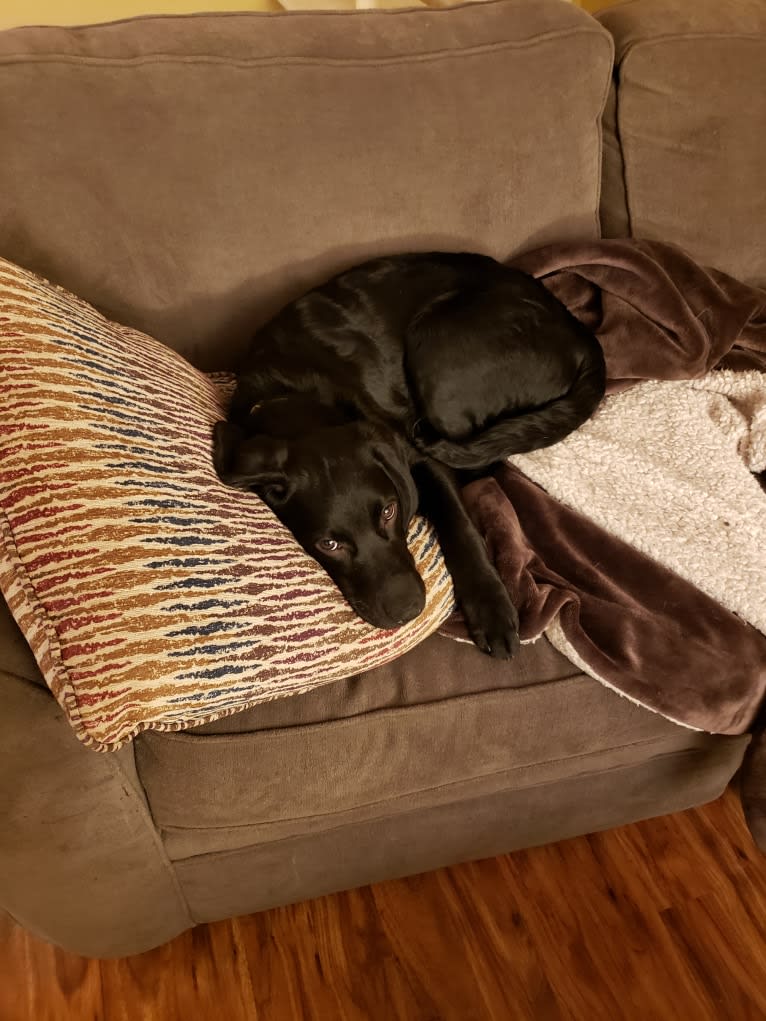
35,682
618,141
508,771
599,170
668,37
143,807
245,63
689,753
274,734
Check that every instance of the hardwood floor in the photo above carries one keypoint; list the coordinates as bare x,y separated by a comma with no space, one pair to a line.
661,921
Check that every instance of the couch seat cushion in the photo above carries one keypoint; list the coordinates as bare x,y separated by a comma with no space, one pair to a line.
443,724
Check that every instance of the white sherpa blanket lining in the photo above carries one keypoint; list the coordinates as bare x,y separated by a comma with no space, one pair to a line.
668,468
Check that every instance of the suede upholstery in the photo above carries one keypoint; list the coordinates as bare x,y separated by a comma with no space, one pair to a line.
186,176
685,127
213,167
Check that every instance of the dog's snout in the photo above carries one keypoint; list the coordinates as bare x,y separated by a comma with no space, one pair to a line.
403,599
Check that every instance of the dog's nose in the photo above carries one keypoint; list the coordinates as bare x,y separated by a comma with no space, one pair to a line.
403,599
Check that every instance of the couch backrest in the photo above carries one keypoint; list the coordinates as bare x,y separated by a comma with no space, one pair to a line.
685,129
190,174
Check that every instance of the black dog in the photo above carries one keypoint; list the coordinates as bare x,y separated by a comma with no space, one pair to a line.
359,400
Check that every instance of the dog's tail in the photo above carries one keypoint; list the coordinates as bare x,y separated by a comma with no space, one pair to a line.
525,431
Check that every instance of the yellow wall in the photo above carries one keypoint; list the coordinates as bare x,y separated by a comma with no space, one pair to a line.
84,12
594,5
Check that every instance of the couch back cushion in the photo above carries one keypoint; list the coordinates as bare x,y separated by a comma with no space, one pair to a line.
685,145
188,175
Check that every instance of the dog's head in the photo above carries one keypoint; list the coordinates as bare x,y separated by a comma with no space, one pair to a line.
346,493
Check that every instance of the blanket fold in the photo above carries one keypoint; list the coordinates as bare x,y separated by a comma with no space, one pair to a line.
638,544
657,313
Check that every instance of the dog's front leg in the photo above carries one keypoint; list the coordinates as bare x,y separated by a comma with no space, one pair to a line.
490,616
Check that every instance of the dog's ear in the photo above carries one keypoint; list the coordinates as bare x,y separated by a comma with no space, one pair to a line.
227,438
393,455
256,463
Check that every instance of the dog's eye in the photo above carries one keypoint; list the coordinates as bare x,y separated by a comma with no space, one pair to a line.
328,545
389,512
275,493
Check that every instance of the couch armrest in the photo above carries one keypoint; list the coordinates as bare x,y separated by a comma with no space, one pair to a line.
81,863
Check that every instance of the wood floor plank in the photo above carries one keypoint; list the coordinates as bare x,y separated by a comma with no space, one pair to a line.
184,979
297,960
41,982
659,921
449,934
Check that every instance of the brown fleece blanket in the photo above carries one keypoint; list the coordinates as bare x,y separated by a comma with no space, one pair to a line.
657,313
625,618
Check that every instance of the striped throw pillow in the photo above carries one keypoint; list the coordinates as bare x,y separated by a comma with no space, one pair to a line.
151,595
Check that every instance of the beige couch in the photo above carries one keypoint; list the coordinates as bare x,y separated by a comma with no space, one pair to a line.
186,175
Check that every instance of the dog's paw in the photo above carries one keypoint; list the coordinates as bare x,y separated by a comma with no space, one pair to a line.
492,620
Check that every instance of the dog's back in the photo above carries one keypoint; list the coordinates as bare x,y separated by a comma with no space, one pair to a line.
470,359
